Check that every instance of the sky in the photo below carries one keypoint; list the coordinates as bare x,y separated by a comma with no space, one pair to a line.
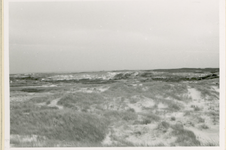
74,36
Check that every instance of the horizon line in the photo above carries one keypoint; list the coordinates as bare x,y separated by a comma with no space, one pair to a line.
114,70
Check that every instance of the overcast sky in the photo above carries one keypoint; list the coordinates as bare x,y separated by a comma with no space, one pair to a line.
113,35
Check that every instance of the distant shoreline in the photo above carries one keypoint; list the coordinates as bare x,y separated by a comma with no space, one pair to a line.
158,70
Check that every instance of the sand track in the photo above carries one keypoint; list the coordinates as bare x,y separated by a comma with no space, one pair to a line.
54,102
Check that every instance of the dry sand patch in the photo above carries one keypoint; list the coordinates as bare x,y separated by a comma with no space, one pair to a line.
194,94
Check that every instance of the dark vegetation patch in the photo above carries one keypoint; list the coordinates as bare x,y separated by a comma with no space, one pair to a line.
47,98
67,125
120,115
178,78
163,126
83,81
121,76
149,118
120,89
172,118
197,70
80,99
39,89
184,137
32,90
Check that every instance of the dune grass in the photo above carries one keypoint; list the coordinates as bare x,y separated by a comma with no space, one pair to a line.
184,137
81,99
53,124
86,118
